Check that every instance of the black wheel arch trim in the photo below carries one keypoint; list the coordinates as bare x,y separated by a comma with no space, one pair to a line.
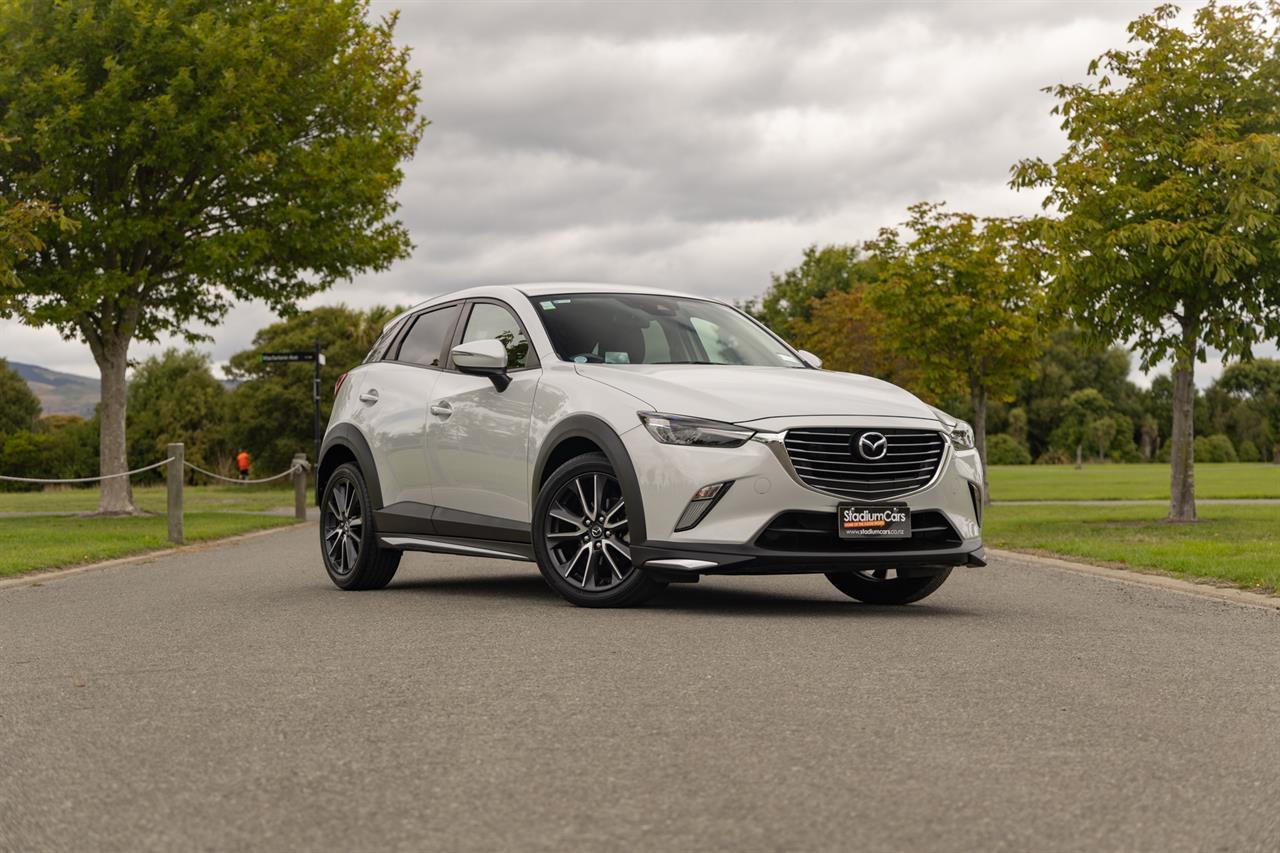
603,436
351,439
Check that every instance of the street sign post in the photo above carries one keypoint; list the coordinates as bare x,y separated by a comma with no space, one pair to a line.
299,356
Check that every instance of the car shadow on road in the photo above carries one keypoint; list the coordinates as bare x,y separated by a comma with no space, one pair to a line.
720,601
677,598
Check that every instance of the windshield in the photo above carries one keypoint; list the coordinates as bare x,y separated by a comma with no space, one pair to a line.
627,328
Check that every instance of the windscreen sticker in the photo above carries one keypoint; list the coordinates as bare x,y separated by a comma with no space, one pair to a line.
548,305
617,357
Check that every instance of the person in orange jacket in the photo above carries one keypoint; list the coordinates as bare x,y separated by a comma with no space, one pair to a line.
242,462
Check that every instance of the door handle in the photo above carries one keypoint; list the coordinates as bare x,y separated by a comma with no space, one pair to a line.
442,410
370,396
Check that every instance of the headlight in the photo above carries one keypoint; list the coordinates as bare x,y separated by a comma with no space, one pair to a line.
962,436
694,432
960,433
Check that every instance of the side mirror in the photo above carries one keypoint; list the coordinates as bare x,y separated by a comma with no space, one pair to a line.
810,359
483,358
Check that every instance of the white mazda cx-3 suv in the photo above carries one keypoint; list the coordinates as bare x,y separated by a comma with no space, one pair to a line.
625,438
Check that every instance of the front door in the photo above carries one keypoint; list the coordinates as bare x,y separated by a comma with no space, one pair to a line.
478,436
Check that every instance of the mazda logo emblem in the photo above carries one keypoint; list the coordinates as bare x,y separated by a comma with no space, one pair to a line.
872,446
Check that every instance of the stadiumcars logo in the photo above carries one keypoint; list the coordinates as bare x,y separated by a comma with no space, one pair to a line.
855,521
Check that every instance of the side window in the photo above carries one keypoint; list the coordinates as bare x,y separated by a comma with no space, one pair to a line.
493,321
379,348
426,339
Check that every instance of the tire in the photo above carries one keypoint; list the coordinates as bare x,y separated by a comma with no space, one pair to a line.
581,538
875,587
348,538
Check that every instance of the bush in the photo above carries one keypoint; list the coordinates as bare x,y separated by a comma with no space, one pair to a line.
29,454
1004,449
1055,456
1165,453
1215,448
1249,452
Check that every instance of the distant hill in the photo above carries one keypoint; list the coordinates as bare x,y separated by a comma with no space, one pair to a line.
60,393
69,394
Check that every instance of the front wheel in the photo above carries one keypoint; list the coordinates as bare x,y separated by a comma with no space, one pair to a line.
582,538
348,541
875,586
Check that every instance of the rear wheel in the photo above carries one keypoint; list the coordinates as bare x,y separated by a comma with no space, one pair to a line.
348,539
886,586
582,538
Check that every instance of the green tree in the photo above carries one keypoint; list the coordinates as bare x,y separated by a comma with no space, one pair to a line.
19,222
1258,383
174,397
19,407
1070,363
75,444
270,412
1169,234
210,152
846,331
964,298
790,300
1082,423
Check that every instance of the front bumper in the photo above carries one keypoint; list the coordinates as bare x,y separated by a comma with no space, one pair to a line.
763,486
671,561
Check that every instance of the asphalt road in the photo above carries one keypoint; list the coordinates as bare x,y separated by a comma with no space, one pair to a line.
231,699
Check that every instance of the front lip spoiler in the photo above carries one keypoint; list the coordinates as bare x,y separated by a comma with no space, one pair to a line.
699,559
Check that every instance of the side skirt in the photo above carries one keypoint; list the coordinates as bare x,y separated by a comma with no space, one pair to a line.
466,547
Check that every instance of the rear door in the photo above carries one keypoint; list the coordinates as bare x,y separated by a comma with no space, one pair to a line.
478,436
394,397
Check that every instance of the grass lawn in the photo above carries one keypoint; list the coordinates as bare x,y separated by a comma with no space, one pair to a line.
27,544
1238,544
1133,482
153,498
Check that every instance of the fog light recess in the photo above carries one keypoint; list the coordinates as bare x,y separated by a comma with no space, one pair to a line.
700,504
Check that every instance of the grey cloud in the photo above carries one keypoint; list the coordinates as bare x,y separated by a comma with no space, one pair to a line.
702,145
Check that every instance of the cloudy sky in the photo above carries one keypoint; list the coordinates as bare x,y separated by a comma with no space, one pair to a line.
697,145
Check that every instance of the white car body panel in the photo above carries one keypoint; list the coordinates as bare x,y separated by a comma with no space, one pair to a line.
740,394
479,455
483,458
396,426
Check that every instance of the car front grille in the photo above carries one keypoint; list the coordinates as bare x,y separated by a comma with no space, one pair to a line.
828,459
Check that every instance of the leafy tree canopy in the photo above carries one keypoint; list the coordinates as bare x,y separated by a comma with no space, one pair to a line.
964,296
270,413
209,152
19,407
1169,197
789,301
174,397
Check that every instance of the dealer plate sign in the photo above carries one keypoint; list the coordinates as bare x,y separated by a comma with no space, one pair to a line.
867,521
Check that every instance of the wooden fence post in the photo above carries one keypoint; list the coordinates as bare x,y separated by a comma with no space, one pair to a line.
300,486
175,493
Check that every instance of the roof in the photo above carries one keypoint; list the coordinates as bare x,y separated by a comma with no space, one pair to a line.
545,288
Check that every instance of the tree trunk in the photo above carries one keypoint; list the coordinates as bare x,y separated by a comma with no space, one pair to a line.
1079,456
1182,483
116,496
979,398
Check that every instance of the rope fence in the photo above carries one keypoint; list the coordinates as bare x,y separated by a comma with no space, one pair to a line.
290,470
39,481
176,462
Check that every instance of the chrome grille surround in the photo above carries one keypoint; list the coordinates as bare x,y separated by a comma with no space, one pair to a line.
827,459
